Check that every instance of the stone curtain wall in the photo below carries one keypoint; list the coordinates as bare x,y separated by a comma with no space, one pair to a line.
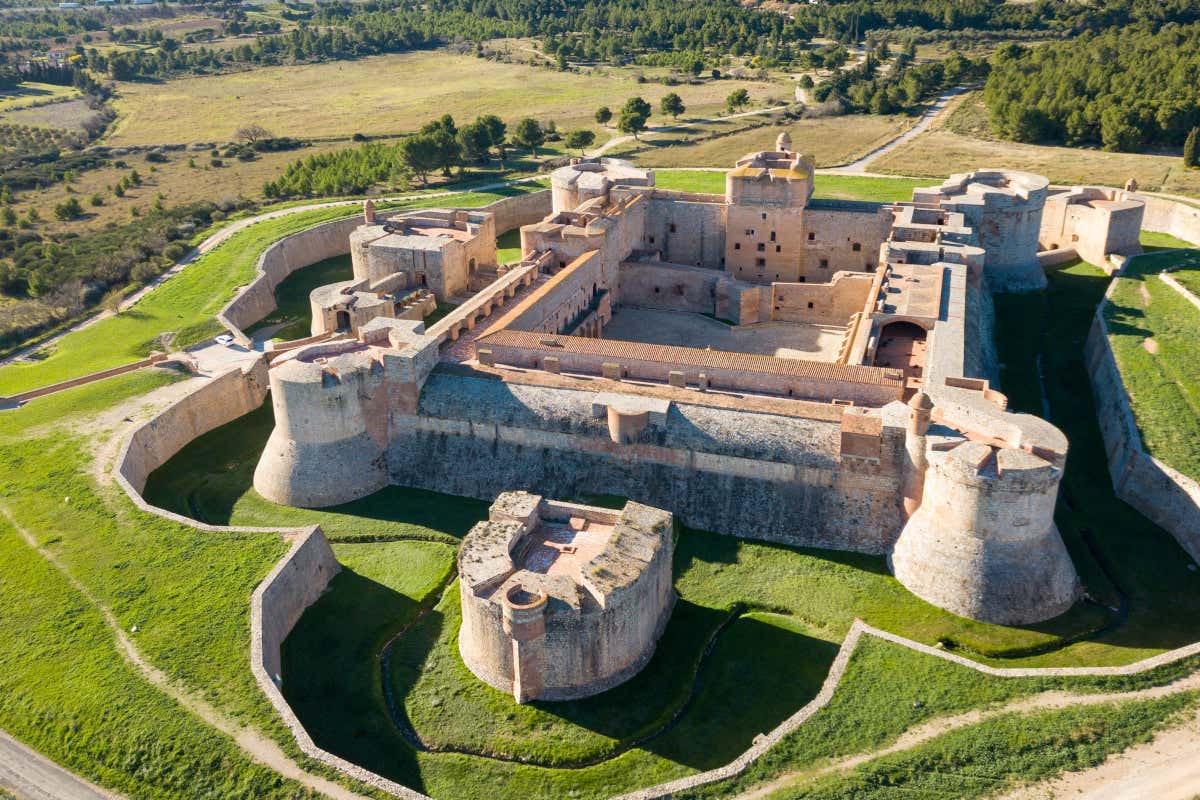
1167,497
653,284
218,401
1168,216
257,299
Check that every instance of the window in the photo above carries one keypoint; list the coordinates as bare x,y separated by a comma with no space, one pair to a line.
737,245
749,231
867,266
672,228
651,240
656,290
801,279
778,249
760,262
772,236
761,247
810,305
824,263
764,216
856,247
776,276
812,237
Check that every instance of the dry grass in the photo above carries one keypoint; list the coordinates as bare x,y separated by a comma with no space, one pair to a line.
963,142
68,115
178,183
34,94
832,140
386,94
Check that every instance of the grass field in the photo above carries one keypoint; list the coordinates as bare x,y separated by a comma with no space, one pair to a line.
34,94
831,140
1155,333
293,310
962,143
386,95
183,306
837,187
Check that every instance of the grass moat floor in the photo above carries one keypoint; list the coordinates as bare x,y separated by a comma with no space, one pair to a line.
187,594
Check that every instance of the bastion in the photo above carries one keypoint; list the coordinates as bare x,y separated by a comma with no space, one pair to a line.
562,601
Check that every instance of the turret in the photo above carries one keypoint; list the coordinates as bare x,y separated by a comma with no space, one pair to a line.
982,542
783,142
920,416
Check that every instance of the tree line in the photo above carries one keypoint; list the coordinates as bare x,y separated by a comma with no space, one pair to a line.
1124,89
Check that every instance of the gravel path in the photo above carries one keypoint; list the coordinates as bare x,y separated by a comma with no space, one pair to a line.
31,776
859,167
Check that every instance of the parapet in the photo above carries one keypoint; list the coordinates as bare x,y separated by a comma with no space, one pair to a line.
560,600
772,178
590,178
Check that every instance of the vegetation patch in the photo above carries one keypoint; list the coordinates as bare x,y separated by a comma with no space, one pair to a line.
1163,386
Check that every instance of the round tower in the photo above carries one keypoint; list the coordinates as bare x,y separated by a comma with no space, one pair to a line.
326,447
982,543
783,142
920,416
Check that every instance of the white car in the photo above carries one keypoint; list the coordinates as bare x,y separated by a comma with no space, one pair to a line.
224,339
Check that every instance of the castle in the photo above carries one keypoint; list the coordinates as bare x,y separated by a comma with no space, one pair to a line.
760,363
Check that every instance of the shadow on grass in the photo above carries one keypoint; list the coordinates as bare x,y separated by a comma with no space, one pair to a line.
716,680
1119,554
331,674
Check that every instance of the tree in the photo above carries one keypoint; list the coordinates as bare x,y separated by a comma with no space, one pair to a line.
475,141
580,140
806,82
420,154
529,134
604,115
68,209
497,133
696,67
252,133
672,104
9,216
738,98
636,105
1191,149
631,122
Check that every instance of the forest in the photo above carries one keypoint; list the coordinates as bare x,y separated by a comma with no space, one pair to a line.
1125,89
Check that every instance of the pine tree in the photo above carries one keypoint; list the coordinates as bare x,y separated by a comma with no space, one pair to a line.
1191,149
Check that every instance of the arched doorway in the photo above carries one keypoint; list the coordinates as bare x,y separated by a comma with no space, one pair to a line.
343,320
902,345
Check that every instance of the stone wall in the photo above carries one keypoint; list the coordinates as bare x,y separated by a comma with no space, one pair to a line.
686,229
1162,494
654,284
830,303
1169,216
257,299
733,472
218,401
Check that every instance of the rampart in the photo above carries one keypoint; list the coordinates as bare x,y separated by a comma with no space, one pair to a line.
1164,495
220,400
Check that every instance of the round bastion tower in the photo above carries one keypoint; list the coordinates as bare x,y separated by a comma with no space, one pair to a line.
330,432
982,542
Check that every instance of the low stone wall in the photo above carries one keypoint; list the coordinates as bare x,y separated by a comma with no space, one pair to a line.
521,209
1167,497
1164,215
42,391
222,399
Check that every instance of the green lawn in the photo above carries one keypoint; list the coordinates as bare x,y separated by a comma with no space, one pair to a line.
836,187
186,305
293,310
508,246
1145,315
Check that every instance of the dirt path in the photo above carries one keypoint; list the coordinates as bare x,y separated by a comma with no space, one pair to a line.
31,776
619,140
859,167
258,747
1046,701
1167,768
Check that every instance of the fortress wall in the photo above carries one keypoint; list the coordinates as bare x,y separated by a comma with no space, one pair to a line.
220,400
256,300
1163,215
1167,497
669,286
686,232
552,306
836,231
835,506
521,209
829,303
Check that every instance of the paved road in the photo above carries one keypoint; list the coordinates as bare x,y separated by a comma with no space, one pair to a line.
859,167
31,776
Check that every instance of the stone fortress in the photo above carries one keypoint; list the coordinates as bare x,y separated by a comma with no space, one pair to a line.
562,601
759,363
